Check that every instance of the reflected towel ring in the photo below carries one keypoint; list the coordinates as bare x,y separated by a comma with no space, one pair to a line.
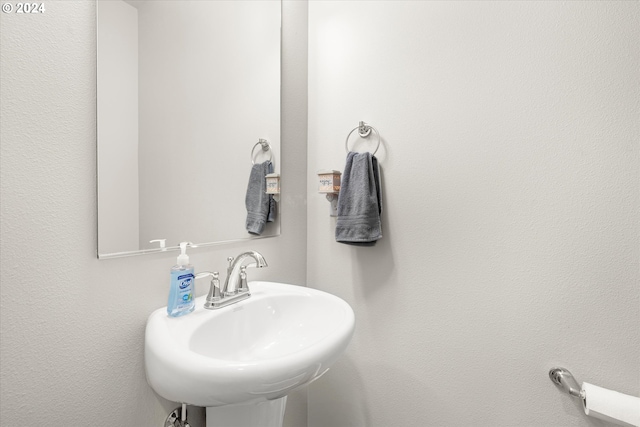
265,147
364,130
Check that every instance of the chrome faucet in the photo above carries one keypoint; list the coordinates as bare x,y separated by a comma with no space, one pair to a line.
235,285
233,272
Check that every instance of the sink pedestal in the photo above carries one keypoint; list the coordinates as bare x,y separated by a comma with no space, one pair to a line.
263,414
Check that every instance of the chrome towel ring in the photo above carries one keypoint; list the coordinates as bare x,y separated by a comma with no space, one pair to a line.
265,147
364,130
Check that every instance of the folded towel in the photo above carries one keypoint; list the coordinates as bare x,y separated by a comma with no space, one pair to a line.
359,200
260,205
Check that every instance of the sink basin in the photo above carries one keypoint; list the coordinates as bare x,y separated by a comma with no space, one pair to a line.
282,337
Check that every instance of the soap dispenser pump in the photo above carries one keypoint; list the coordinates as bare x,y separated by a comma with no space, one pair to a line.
181,293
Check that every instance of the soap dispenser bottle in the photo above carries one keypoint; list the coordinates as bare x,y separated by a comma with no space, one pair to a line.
182,281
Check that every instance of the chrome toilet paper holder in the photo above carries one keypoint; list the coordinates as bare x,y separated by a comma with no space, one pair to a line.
565,380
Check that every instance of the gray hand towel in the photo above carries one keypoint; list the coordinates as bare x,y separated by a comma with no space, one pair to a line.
359,200
260,205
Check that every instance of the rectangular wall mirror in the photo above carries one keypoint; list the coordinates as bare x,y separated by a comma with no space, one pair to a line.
185,91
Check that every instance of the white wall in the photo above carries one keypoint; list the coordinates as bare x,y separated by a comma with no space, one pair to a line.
511,200
71,326
117,99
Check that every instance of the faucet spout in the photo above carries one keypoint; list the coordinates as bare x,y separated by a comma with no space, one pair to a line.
233,272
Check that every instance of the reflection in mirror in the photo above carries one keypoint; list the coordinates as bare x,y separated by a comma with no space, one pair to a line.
185,91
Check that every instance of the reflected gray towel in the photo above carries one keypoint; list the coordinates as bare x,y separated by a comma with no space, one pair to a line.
359,200
260,205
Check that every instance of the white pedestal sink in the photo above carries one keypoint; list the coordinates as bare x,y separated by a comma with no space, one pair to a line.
241,361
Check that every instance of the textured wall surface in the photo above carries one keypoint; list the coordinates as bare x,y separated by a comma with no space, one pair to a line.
511,207
72,327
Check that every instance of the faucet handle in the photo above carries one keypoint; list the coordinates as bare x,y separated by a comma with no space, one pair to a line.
243,287
214,290
230,260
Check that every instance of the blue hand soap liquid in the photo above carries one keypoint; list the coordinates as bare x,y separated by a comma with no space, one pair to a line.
181,293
